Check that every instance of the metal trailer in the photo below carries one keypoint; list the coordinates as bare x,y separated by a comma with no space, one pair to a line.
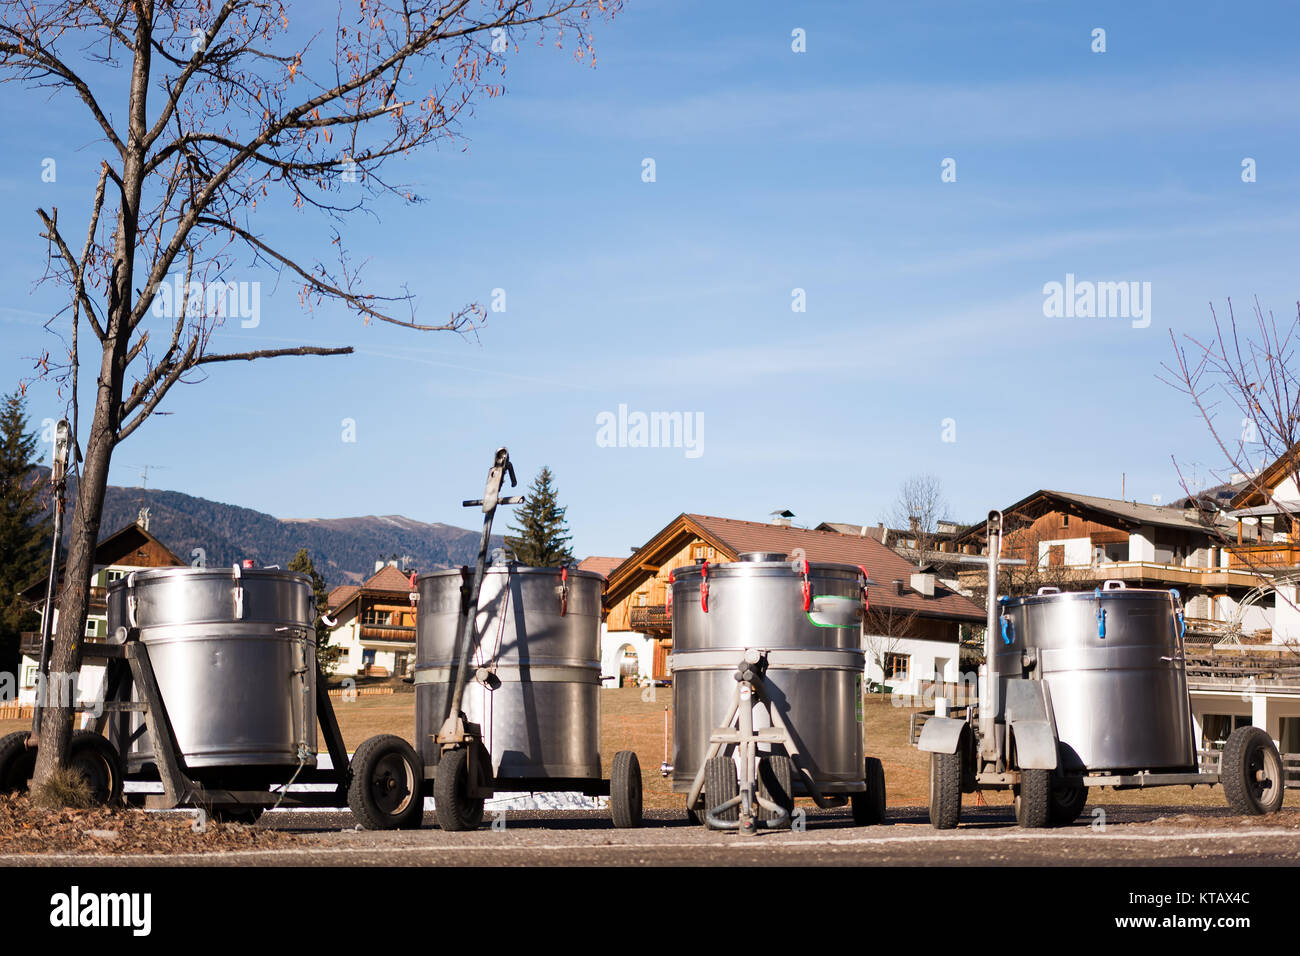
234,653
1061,672
530,722
767,688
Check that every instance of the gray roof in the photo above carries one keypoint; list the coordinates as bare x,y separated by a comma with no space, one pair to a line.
1135,511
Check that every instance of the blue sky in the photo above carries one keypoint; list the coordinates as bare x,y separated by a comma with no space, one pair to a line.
774,171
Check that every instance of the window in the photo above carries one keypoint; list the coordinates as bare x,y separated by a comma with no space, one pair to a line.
1217,728
897,666
29,675
1289,734
92,627
113,574
377,618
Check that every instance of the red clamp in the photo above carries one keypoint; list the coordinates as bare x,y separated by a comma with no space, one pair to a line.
806,587
668,601
866,576
564,590
704,587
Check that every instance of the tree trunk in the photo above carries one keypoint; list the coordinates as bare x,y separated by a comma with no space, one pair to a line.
65,658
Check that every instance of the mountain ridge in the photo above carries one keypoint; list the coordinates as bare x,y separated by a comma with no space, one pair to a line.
344,550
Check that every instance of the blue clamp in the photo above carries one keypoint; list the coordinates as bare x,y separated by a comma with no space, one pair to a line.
1008,635
1101,616
1182,620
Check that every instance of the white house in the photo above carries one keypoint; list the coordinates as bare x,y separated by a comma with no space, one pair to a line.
128,549
374,624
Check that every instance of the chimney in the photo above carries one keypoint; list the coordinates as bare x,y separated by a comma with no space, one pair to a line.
379,565
898,586
923,584
782,517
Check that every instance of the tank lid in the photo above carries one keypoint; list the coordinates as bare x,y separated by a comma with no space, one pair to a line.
758,556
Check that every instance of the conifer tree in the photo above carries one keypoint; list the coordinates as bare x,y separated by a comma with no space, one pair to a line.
543,537
25,528
327,656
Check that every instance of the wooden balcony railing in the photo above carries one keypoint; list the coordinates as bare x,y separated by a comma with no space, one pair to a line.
29,644
375,632
653,617
1249,556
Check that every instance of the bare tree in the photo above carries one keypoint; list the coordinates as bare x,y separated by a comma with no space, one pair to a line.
227,107
918,509
1247,374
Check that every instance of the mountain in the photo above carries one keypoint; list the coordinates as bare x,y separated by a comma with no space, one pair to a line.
344,550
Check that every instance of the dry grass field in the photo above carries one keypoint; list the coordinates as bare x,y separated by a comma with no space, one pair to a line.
629,722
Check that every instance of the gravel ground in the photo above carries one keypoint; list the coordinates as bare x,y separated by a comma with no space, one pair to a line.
1125,836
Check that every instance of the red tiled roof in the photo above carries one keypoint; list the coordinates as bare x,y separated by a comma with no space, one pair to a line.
600,564
386,579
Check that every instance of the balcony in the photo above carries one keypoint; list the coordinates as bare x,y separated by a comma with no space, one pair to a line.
654,617
1248,556
387,632
29,644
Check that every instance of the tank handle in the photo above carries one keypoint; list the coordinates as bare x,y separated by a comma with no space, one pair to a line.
866,580
1112,584
1049,589
805,586
564,590
239,594
704,586
668,598
130,601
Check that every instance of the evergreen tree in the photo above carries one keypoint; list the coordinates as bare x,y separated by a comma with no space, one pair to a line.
543,536
25,528
326,654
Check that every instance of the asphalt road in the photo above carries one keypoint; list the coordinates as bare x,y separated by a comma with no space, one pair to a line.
1126,836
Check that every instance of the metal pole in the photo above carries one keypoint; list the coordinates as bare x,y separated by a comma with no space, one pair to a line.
989,689
59,482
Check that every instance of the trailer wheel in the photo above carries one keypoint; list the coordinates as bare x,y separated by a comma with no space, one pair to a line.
386,784
869,807
456,810
776,783
1251,772
97,760
17,762
1034,799
721,785
625,790
945,790
1068,800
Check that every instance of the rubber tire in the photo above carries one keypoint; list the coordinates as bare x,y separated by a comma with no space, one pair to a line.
1250,749
720,785
378,796
100,765
456,811
625,790
16,762
1067,802
869,807
776,783
1034,799
945,790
